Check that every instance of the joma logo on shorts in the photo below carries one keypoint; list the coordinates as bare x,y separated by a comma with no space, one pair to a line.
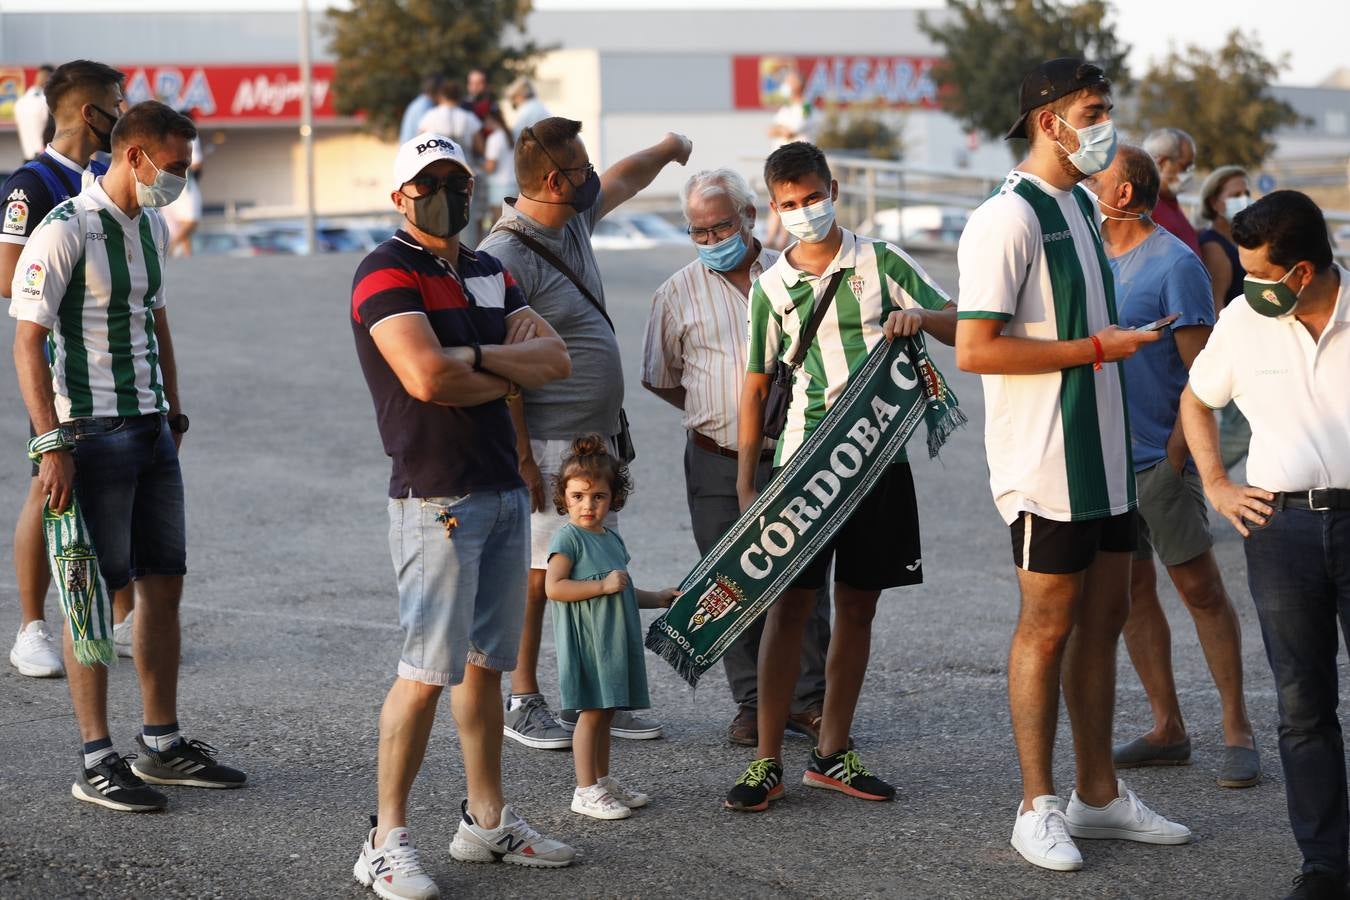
1057,236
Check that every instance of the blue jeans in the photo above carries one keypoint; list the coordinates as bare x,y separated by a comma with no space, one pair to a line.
130,490
1298,569
462,591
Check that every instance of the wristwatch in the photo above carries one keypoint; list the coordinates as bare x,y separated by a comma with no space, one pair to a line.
178,424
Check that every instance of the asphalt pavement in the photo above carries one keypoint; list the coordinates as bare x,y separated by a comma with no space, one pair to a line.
291,641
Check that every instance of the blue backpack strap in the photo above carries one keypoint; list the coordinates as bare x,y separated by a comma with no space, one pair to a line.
47,170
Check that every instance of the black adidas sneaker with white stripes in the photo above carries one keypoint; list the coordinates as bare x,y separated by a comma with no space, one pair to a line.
845,773
111,783
186,763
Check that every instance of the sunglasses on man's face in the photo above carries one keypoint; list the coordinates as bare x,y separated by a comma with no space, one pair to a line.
422,185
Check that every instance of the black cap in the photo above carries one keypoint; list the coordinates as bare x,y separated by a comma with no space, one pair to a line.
1051,80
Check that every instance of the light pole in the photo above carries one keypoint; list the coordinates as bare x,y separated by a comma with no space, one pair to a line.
307,127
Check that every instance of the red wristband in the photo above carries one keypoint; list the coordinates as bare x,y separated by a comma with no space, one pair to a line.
1100,354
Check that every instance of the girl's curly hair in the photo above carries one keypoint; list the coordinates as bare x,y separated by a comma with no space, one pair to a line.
589,458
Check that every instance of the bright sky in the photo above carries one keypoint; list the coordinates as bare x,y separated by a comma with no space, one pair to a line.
1312,32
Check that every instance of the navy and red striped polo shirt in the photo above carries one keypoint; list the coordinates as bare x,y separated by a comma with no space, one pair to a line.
438,451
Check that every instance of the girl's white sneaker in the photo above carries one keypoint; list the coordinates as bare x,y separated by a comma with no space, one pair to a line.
630,799
595,801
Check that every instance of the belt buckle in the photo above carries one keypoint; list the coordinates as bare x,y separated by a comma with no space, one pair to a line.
1312,504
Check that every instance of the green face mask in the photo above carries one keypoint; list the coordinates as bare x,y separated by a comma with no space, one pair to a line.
1270,298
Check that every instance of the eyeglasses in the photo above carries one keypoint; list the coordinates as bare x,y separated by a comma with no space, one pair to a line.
422,185
588,169
711,235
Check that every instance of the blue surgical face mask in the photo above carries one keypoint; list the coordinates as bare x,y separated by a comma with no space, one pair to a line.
163,191
809,224
724,255
1096,147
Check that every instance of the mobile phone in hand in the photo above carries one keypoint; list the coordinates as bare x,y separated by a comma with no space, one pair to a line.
1160,323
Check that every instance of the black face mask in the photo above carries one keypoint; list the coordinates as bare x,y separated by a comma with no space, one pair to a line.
104,137
441,213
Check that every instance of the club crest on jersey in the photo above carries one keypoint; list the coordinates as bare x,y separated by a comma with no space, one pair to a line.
719,599
855,284
16,216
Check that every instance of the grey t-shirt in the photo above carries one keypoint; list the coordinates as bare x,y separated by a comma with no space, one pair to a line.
590,398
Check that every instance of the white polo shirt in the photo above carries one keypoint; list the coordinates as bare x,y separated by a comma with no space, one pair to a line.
1293,390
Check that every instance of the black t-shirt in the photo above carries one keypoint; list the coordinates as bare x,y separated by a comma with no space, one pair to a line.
27,200
438,451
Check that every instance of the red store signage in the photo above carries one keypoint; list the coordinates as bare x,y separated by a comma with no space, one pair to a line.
216,95
902,82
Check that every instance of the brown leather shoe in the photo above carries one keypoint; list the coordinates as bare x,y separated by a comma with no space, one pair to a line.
744,729
806,722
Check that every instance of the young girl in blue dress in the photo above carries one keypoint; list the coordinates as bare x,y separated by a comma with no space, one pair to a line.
595,619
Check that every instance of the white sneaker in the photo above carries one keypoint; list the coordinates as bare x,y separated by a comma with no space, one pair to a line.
37,652
630,799
1125,818
598,803
122,636
1041,835
512,841
393,870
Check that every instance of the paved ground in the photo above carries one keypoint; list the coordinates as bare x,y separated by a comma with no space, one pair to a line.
291,641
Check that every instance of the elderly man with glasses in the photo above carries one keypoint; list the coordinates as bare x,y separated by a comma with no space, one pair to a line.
695,359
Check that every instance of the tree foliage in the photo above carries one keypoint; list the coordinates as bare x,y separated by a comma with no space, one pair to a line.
863,130
1221,98
991,44
385,48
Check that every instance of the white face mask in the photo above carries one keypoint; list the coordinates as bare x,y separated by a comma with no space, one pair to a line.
163,191
1096,147
809,224
1234,205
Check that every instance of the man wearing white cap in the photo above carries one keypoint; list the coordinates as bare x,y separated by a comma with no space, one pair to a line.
445,338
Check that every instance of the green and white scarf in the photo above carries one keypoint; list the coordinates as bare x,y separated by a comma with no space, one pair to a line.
84,603
809,499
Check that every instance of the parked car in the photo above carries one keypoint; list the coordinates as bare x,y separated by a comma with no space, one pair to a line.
930,226
635,231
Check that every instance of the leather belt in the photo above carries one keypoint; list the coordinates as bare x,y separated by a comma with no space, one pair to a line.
703,442
1318,499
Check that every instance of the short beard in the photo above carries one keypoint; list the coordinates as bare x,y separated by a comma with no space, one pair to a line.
1065,166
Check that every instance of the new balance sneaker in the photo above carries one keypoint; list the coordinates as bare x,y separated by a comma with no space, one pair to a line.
1041,835
112,783
392,869
630,799
1125,818
37,652
761,782
598,803
845,773
512,841
122,636
532,724
626,725
186,763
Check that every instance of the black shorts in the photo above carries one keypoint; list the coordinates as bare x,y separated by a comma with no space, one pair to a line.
1062,548
878,547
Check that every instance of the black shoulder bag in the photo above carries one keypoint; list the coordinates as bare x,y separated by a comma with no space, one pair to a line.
780,389
623,441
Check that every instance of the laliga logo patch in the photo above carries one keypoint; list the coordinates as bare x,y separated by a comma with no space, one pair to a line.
435,144
34,275
16,217
719,599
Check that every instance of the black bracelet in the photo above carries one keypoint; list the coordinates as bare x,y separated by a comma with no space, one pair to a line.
477,357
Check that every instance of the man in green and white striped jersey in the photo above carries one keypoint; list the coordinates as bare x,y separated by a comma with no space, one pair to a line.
1037,319
90,281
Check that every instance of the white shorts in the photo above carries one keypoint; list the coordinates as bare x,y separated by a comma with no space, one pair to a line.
544,525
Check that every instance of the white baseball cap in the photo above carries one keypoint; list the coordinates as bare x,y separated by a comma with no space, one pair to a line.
422,151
